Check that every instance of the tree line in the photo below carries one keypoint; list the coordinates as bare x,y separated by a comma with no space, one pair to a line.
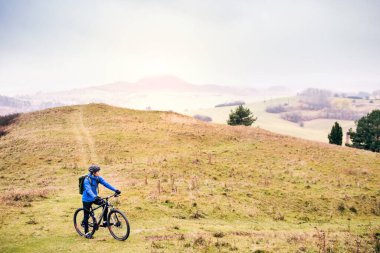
366,136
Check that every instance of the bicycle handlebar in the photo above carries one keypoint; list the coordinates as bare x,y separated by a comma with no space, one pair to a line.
113,195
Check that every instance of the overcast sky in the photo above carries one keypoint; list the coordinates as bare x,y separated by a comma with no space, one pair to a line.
57,45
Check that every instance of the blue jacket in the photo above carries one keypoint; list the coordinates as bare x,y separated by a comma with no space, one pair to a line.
91,189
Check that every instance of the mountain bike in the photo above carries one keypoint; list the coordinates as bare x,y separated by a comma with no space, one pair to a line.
117,222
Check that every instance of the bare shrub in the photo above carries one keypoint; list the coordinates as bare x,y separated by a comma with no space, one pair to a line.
172,183
31,221
200,241
279,216
20,197
197,215
275,109
156,245
315,99
342,114
234,103
8,119
194,184
341,207
219,234
321,243
158,187
209,156
219,244
293,117
376,240
202,118
2,132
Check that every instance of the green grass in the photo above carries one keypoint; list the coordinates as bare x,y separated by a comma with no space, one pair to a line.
253,189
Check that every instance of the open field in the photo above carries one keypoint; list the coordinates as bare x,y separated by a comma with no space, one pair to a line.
315,130
187,186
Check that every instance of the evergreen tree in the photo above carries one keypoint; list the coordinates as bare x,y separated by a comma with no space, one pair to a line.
241,116
367,135
336,134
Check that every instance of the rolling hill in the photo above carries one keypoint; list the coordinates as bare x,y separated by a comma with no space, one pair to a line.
315,130
163,92
187,186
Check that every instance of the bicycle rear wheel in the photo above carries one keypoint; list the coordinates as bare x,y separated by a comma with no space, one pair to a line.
79,222
118,225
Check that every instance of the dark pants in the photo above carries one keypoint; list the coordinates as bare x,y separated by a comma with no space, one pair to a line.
87,207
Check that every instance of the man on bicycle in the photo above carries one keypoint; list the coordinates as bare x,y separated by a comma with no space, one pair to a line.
90,195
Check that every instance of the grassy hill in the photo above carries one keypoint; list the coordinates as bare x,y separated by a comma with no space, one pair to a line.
315,130
187,186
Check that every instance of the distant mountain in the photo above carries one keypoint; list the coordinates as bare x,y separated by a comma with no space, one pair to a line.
13,102
168,83
10,105
158,93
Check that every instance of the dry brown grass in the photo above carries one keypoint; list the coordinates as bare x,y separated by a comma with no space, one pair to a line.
18,197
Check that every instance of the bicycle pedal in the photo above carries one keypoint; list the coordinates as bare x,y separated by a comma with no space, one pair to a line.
88,236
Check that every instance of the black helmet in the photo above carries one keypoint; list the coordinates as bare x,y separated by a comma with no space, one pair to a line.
93,169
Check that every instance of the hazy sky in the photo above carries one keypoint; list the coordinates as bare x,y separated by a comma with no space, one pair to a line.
55,45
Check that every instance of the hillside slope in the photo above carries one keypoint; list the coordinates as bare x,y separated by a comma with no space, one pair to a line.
187,186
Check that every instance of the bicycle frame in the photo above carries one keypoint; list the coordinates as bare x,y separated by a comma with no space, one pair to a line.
107,204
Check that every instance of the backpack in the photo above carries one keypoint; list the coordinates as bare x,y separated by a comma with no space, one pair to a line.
81,183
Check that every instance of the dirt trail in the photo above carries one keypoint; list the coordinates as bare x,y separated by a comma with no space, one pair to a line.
84,139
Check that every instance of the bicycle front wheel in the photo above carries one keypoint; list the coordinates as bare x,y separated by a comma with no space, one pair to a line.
118,225
79,222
